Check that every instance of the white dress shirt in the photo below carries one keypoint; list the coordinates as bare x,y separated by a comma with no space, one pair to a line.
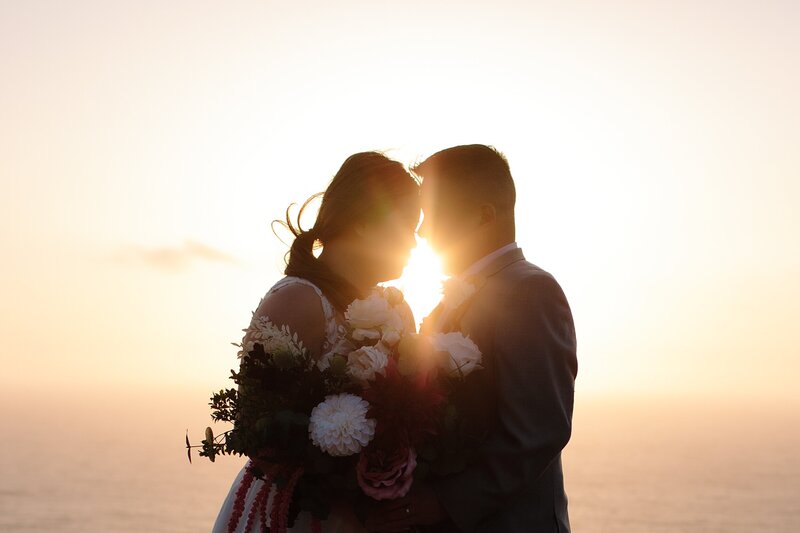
474,268
484,261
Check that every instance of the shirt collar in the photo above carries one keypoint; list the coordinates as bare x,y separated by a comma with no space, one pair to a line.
484,261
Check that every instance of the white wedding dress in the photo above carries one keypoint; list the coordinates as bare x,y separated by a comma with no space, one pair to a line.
341,519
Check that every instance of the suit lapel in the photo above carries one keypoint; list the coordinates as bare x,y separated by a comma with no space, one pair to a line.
429,323
452,321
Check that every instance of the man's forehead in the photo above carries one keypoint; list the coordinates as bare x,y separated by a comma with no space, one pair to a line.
441,205
429,187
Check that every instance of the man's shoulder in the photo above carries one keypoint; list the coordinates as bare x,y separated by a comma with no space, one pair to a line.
520,274
521,284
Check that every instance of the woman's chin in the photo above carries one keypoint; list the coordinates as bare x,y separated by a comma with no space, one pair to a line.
391,274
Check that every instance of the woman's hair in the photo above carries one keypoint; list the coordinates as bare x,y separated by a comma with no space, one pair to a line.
367,187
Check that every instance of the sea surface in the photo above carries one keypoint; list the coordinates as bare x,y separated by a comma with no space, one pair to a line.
115,462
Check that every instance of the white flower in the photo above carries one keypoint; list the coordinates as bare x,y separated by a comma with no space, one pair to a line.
339,425
391,337
369,313
456,292
393,295
464,355
374,318
394,322
364,363
361,334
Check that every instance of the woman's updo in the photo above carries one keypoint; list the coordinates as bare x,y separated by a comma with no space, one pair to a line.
368,186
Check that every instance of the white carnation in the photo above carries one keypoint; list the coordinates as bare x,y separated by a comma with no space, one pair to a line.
364,363
456,292
464,355
339,425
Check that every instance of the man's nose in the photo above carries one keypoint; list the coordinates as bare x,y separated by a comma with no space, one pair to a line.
412,242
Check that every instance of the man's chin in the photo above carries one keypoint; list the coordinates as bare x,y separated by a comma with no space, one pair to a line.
453,259
448,265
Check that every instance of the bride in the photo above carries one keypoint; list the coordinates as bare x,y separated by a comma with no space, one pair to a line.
366,225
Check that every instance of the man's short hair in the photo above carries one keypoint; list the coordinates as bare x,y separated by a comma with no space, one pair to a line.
476,172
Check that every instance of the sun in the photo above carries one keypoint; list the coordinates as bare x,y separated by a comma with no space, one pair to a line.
421,281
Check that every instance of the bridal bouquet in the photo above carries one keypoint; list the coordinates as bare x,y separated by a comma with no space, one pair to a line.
381,409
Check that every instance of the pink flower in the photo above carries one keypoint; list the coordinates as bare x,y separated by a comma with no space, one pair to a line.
385,475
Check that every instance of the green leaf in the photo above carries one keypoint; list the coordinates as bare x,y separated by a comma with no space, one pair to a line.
284,360
338,365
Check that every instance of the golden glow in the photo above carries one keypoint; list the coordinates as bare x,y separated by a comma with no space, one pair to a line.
421,281
654,154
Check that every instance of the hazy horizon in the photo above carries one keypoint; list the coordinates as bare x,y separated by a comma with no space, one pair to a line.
119,465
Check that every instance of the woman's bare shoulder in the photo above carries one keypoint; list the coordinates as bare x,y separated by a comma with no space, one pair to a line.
298,307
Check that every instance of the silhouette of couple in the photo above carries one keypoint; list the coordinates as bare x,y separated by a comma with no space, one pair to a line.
514,311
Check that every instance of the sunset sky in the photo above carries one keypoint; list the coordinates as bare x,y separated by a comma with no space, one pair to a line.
146,146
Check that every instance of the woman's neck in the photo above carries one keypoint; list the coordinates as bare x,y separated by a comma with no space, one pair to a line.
342,264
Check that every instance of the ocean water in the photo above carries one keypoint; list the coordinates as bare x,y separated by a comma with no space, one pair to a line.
115,462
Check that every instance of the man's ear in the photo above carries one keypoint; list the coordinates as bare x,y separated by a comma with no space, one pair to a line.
488,214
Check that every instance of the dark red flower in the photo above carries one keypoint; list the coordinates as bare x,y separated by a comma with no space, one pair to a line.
407,408
385,474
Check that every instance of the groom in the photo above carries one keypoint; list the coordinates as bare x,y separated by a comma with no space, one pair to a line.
518,316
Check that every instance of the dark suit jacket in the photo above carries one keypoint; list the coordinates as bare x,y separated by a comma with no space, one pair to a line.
521,321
